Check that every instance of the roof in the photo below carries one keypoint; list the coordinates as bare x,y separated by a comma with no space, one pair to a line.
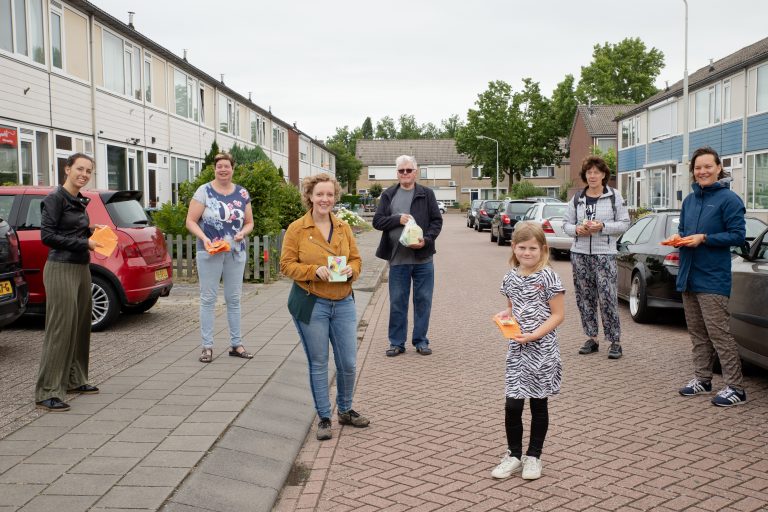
719,69
600,119
425,151
127,30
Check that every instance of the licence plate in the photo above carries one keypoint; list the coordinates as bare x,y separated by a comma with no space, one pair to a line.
5,288
161,275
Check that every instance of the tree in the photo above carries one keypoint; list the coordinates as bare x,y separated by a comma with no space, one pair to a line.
564,105
451,127
211,154
247,156
375,190
622,73
609,157
430,131
521,122
366,131
347,166
409,129
385,128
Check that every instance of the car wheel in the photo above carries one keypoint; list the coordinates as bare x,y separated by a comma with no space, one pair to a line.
638,302
478,227
141,307
493,238
500,241
106,306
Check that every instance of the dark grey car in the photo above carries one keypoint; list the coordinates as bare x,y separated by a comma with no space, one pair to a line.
748,304
472,212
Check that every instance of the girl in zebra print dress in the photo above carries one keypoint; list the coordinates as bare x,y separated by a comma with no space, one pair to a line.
535,299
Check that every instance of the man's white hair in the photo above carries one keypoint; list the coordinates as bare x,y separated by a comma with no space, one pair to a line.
406,158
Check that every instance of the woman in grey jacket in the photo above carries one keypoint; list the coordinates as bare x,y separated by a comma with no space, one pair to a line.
596,217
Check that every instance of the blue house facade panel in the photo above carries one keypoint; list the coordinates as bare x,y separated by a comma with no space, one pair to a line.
725,138
757,132
631,158
666,150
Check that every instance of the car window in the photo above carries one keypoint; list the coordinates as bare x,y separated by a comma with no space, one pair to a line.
127,214
30,214
647,233
531,213
6,202
518,208
673,225
754,227
554,210
635,230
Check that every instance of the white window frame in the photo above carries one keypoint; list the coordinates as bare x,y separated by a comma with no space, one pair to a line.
726,100
764,84
749,180
711,95
654,133
633,132
147,77
28,57
56,9
528,173
477,172
191,88
128,53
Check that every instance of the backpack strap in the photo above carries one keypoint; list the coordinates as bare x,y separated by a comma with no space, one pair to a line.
579,195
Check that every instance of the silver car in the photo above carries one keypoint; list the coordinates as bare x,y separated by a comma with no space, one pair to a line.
551,216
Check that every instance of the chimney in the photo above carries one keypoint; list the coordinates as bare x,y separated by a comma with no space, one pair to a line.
589,107
711,64
185,55
249,97
222,77
130,19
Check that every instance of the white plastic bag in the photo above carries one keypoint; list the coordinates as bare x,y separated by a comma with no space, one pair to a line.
411,233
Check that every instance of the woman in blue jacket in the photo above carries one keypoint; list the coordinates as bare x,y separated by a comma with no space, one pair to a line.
712,219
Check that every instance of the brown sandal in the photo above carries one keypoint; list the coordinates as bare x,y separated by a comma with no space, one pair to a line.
207,356
244,354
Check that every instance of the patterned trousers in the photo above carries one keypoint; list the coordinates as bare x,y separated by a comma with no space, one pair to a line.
595,280
708,323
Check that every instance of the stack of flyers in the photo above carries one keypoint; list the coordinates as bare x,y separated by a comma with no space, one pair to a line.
335,264
508,326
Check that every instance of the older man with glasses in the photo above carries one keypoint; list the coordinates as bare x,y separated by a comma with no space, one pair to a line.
408,264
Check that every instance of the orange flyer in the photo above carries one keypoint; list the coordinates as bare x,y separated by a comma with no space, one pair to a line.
217,247
508,326
107,238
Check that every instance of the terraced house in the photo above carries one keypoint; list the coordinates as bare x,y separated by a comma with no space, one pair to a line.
75,78
728,110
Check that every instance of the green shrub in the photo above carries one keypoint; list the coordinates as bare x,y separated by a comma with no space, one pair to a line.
525,188
171,219
352,199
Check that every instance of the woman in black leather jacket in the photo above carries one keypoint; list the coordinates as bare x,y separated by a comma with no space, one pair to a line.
67,279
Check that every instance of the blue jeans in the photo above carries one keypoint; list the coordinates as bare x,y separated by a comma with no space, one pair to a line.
211,268
400,276
333,320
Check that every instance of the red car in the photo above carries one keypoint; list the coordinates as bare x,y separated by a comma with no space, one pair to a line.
132,279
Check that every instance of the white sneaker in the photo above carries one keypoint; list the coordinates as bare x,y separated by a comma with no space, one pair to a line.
508,465
531,468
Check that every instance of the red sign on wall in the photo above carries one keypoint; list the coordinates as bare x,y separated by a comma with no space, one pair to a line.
9,137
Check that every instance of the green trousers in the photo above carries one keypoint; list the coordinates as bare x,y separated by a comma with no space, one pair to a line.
66,346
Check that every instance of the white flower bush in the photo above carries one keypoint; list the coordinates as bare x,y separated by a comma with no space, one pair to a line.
351,218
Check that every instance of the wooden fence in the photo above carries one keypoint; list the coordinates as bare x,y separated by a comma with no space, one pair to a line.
262,264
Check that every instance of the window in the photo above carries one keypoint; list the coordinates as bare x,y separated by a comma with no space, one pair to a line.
632,234
9,154
630,132
606,144
707,106
114,70
202,103
224,113
117,164
184,88
21,28
278,140
56,49
658,188
547,171
179,174
477,171
148,77
757,181
663,121
136,66
726,100
762,88
254,127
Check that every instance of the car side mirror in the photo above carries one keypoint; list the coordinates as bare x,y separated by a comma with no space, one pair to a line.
741,250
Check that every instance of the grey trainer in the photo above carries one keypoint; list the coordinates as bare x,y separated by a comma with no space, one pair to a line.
353,418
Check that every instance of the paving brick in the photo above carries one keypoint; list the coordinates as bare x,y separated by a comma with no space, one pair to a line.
135,497
33,473
82,485
105,465
45,503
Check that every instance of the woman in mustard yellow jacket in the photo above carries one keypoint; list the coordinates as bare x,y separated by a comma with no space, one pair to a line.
321,256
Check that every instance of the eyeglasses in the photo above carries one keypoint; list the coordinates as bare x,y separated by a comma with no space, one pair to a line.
405,171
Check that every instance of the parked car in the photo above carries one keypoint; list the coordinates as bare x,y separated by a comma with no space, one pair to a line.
132,279
749,301
545,199
508,214
551,216
472,212
647,270
441,206
485,212
14,293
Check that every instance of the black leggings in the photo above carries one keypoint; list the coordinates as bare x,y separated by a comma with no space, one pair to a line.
513,421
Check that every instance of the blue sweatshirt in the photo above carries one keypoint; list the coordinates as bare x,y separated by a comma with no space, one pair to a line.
717,212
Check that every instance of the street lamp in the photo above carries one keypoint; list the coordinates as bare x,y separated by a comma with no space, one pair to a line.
497,161
686,104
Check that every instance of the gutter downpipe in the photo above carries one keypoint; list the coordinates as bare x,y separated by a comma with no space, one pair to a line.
92,21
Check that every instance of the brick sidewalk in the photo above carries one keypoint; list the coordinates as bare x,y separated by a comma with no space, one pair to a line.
620,437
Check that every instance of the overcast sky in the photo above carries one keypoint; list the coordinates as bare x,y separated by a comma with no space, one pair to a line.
324,64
